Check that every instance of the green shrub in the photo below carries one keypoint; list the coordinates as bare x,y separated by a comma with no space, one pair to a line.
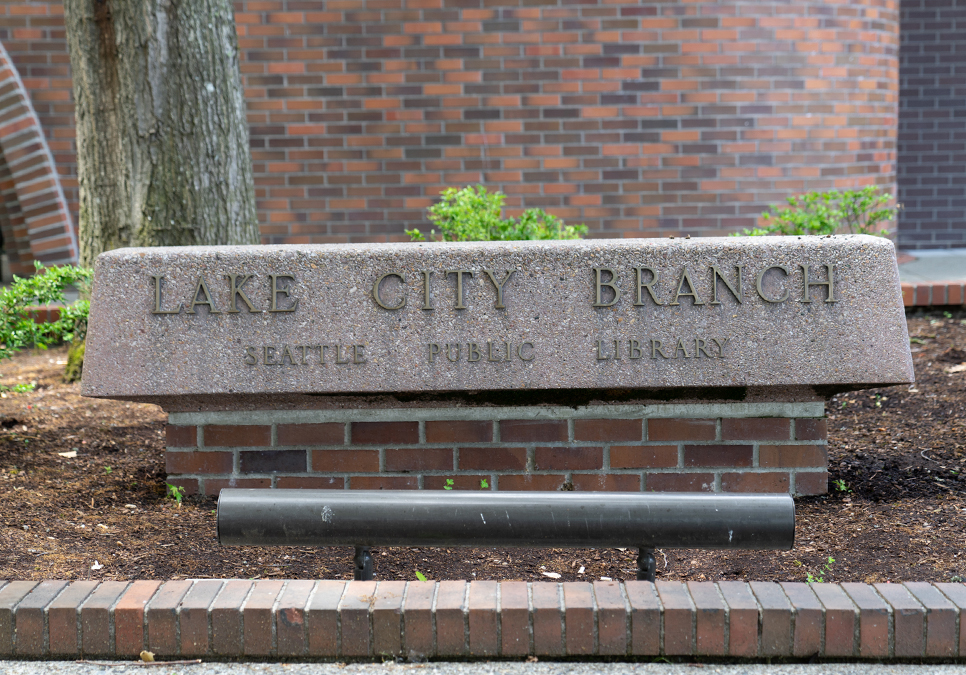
473,214
19,330
849,211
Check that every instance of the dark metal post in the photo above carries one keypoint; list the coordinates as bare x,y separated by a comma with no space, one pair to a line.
646,565
362,564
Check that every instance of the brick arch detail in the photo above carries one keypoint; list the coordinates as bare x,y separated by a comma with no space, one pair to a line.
34,217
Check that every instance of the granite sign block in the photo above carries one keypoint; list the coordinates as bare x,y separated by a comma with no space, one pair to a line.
286,323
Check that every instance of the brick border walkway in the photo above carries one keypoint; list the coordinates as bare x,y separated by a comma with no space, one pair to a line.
939,294
455,619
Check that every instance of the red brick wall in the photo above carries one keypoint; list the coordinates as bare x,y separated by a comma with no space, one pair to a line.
751,454
34,216
637,118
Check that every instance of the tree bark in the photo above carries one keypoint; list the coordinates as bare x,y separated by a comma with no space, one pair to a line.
162,138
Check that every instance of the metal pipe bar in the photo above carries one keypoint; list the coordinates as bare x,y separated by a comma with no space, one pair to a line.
365,518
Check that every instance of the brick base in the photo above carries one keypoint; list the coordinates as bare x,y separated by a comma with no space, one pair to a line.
361,620
736,447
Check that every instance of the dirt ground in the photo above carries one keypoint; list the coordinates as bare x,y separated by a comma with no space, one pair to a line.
896,508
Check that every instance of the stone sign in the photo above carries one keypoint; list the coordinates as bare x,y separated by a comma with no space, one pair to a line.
771,313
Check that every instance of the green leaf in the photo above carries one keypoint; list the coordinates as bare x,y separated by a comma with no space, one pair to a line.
175,492
421,576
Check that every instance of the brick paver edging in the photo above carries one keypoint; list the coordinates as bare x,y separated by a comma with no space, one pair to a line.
267,619
934,294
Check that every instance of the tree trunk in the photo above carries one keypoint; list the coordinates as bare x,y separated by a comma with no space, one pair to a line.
162,138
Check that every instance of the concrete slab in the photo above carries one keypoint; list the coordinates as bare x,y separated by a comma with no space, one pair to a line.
934,266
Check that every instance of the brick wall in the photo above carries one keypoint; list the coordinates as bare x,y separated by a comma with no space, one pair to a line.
709,447
638,118
932,125
34,216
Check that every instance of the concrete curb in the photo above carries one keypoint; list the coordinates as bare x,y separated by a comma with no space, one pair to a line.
363,620
934,294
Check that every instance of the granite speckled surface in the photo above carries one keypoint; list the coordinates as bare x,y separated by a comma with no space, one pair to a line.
558,339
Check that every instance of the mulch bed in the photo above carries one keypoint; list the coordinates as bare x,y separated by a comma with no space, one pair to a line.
896,508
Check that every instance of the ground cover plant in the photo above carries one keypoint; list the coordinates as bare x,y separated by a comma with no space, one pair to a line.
820,213
19,327
473,214
83,486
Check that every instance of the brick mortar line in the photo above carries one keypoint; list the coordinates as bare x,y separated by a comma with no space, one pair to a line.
790,410
45,618
23,136
629,623
793,622
726,632
960,647
760,610
890,623
927,613
402,620
465,616
25,185
694,615
145,638
662,619
604,445
12,167
595,608
59,235
660,611
78,624
490,444
338,621
499,620
274,614
531,617
209,623
561,607
305,614
177,617
925,618
856,624
14,93
112,619
432,617
509,472
241,611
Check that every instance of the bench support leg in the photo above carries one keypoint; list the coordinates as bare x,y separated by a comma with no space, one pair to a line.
362,564
646,565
